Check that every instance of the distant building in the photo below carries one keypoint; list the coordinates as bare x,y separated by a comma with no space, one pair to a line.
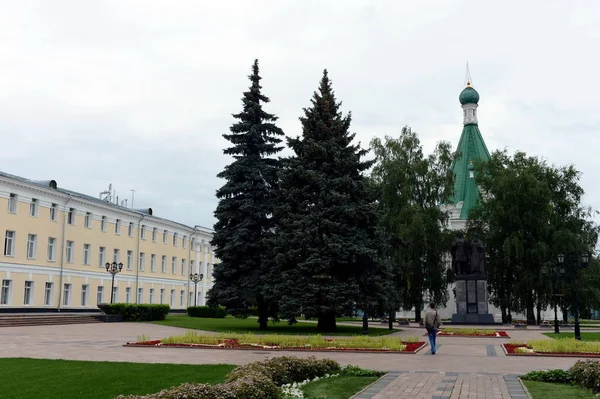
57,243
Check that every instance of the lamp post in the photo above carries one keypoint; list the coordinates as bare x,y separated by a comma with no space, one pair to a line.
113,268
196,278
555,272
574,264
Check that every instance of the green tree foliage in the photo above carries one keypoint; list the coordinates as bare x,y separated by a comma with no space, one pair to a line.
412,187
529,211
244,212
325,246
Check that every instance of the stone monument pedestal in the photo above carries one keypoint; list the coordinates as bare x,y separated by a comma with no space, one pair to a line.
472,301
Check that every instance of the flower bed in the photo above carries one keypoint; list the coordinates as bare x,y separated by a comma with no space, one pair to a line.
553,348
284,343
471,332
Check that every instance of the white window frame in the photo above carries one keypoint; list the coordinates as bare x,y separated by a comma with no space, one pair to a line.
115,294
31,246
86,254
13,200
143,232
172,298
118,227
129,260
9,243
71,216
130,229
140,295
165,236
174,265
163,264
85,293
151,296
153,262
184,242
162,296
116,255
127,294
51,249
101,256
6,292
103,223
174,239
28,292
53,212
69,249
183,267
100,294
87,222
154,232
34,208
67,293
142,261
48,293
181,298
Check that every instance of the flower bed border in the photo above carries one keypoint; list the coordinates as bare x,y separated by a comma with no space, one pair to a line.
548,354
449,335
155,344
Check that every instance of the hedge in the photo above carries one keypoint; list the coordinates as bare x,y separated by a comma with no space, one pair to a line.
206,311
136,312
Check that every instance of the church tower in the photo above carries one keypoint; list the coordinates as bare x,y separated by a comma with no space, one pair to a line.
471,148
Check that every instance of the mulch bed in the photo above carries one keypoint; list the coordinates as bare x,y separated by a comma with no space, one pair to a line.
497,334
411,347
510,350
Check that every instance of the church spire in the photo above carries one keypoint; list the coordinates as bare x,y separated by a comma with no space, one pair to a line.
469,99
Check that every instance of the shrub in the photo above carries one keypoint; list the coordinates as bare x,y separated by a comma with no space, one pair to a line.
136,312
190,391
556,375
356,371
586,373
207,311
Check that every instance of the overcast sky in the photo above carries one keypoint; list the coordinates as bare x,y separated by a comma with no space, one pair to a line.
139,93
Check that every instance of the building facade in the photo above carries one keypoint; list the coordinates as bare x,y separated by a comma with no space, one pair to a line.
57,243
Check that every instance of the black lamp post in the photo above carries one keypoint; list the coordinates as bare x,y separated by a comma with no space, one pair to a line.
196,278
574,266
113,268
555,272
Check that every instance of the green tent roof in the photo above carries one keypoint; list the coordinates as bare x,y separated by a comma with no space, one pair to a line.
471,148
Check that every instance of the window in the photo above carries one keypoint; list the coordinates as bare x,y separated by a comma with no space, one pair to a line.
142,261
172,299
100,294
71,216
31,246
86,254
174,239
48,293
51,249
184,242
127,294
88,220
115,294
130,229
67,295
9,243
151,296
129,260
152,263
192,242
154,234
183,267
70,245
118,227
12,203
190,299
181,296
165,235
116,255
162,296
143,232
140,297
33,207
53,212
174,265
103,223
101,256
5,293
163,265
191,263
28,293
84,295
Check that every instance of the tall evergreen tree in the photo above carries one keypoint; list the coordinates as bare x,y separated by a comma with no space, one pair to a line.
326,238
244,212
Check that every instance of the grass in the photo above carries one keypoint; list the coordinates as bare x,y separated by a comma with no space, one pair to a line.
341,387
467,331
234,325
314,341
564,345
547,390
50,379
585,336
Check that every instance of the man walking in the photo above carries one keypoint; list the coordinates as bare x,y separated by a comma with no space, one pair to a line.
432,324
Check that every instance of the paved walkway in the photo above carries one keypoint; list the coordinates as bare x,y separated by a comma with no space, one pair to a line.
462,367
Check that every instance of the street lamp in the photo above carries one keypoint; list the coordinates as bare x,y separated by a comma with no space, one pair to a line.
113,268
554,272
196,278
574,267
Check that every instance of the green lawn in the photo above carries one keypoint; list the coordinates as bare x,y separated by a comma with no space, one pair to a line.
65,379
232,324
547,390
585,336
341,387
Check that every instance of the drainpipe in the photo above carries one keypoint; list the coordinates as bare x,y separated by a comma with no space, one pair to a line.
62,252
137,269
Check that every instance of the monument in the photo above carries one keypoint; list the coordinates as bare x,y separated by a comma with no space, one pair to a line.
468,265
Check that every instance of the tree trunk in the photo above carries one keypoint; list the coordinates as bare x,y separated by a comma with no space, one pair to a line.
391,319
263,313
326,322
529,309
417,311
504,314
565,314
538,309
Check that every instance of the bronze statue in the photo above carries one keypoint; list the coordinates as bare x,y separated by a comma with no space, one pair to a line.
460,255
477,255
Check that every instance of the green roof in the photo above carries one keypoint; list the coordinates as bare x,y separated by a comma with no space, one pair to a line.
471,148
468,96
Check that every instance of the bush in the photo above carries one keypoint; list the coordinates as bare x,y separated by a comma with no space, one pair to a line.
356,371
207,311
586,373
136,312
556,375
189,391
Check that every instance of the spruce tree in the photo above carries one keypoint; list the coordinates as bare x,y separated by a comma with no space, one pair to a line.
326,219
244,212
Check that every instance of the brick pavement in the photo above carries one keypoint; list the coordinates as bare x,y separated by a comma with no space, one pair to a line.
477,362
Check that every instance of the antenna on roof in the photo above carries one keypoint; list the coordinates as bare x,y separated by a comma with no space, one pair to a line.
468,80
132,195
107,194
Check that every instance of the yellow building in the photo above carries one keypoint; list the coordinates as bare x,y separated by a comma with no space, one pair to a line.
57,243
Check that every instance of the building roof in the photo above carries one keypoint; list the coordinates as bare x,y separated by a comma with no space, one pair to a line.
471,148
